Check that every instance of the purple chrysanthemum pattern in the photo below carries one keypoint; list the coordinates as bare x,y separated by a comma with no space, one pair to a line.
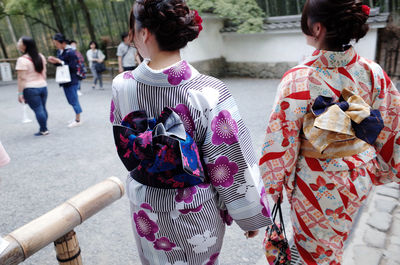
146,206
184,113
128,75
178,73
265,208
195,210
222,171
164,244
145,227
226,217
185,195
225,129
112,108
213,259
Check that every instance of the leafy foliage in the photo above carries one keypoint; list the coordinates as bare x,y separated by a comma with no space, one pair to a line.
246,15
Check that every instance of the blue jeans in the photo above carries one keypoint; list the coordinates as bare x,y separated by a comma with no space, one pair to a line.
71,92
36,98
96,76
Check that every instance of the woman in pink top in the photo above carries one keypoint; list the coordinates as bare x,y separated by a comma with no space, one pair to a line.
4,158
32,85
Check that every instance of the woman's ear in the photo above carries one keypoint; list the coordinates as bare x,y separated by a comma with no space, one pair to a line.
146,34
317,29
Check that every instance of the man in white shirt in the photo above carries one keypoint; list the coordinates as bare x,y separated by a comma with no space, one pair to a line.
126,55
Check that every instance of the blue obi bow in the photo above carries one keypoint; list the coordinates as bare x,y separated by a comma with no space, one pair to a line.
159,153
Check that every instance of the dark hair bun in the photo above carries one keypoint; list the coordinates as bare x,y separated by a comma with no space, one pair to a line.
171,21
344,20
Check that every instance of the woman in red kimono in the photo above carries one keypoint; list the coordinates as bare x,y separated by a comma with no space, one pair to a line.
333,132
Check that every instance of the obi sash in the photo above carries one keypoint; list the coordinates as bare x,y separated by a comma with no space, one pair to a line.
159,153
344,128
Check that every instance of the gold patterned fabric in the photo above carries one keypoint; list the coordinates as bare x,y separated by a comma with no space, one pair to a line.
340,129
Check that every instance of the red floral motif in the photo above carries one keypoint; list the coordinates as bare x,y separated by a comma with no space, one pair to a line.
321,251
304,211
337,214
321,183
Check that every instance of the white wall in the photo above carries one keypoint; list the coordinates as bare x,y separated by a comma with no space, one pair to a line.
268,47
209,44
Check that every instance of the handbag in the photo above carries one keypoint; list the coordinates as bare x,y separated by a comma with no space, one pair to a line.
62,74
100,67
276,246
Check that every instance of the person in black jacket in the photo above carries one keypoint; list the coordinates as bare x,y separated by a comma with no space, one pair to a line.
67,56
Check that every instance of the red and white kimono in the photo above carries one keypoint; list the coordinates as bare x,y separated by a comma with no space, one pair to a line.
327,170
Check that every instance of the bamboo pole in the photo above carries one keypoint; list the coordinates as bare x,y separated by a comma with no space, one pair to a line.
32,237
68,250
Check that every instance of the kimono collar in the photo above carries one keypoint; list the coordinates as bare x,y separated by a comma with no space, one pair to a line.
173,75
332,59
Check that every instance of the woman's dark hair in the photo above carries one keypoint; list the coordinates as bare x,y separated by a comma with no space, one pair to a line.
32,51
124,35
344,20
171,21
95,44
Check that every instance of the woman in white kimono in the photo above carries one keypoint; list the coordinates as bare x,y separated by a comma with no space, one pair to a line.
182,225
334,131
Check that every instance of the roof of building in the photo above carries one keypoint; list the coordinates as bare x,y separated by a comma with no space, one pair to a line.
271,24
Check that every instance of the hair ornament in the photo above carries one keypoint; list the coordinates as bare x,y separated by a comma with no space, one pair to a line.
198,20
366,9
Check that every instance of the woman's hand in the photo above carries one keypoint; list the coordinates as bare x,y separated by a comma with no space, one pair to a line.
251,234
54,60
21,99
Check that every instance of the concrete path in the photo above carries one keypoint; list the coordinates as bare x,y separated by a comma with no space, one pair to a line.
376,237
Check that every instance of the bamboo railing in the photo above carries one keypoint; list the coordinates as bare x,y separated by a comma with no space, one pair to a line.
57,225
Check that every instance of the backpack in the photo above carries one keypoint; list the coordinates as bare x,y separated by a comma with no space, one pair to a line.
80,68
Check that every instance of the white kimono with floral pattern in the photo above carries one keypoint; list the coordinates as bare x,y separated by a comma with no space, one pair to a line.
325,194
186,226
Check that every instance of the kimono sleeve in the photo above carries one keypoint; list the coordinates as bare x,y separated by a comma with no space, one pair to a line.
231,165
282,141
115,108
387,101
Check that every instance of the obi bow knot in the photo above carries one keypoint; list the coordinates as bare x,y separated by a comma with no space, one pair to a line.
159,152
349,120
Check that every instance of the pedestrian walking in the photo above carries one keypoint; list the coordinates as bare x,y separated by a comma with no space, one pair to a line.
32,84
81,70
4,158
127,54
333,132
95,57
179,133
66,56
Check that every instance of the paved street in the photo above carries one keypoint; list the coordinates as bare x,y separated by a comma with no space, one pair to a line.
46,171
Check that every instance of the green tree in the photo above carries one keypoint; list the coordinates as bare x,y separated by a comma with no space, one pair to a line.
246,15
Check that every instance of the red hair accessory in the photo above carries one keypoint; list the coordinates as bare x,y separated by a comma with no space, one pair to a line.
366,9
198,20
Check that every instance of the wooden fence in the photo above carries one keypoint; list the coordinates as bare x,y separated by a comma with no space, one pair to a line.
58,224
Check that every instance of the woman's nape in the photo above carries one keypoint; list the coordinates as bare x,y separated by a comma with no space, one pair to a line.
339,22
